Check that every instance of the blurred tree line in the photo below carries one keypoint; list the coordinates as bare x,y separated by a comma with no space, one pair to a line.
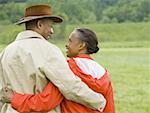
80,11
83,11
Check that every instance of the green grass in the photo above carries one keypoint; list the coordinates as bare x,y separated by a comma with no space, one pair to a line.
8,33
129,69
2,47
126,44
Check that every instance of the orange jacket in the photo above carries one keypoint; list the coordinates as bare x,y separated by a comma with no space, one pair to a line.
51,97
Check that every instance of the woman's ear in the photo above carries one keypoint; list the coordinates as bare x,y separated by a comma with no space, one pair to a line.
82,46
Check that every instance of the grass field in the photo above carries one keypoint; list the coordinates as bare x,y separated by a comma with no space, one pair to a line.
128,63
129,69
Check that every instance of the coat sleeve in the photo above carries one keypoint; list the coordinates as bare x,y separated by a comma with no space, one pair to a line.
45,101
58,72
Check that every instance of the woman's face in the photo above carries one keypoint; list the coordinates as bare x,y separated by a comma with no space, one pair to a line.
73,46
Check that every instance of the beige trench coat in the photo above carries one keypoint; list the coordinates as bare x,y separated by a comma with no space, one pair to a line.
30,60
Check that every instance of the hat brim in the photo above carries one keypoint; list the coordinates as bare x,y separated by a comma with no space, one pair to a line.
56,19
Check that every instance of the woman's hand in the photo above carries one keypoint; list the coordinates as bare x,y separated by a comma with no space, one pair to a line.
6,95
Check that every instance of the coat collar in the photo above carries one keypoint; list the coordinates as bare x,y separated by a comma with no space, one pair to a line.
29,34
84,56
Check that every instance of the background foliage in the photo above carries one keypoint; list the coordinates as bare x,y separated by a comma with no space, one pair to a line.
83,11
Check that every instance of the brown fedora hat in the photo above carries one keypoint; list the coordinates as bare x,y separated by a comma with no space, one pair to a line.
37,12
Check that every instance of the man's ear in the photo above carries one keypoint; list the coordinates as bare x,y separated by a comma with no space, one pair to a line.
39,24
